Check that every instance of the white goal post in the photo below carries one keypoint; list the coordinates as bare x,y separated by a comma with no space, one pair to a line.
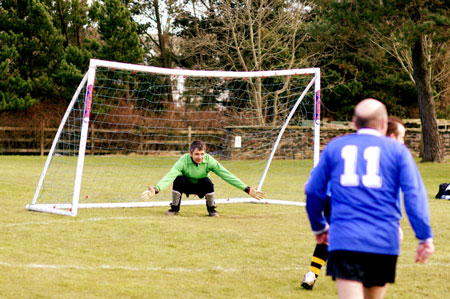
127,124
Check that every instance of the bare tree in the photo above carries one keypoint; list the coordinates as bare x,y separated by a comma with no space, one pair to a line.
156,23
437,56
251,35
424,58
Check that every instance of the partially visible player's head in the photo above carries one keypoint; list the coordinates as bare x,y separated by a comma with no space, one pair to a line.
197,151
371,113
396,129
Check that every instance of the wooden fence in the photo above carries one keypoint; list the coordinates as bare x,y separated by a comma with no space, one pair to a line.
32,141
26,140
38,141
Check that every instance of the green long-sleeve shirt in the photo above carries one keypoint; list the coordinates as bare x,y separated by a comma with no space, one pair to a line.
186,167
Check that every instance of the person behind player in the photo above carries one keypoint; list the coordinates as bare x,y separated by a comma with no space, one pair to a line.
190,175
396,130
365,172
320,255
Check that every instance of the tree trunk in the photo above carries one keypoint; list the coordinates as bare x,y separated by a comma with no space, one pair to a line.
63,24
163,51
161,39
432,144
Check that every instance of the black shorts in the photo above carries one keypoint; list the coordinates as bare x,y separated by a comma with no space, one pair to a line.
369,268
201,188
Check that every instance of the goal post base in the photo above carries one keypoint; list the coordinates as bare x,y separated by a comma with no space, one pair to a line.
278,202
53,209
62,209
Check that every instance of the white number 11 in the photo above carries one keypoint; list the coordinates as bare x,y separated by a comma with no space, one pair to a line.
350,155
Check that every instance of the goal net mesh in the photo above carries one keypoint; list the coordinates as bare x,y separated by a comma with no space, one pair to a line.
142,121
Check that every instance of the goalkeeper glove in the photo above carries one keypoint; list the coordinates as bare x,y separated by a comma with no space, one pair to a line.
255,193
152,191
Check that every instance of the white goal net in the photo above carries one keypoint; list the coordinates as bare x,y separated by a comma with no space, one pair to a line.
128,124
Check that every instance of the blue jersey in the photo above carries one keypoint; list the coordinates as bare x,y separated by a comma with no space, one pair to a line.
365,172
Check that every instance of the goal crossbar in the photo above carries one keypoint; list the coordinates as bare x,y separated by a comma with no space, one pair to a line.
94,63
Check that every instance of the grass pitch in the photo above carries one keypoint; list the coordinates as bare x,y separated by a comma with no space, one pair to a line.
251,251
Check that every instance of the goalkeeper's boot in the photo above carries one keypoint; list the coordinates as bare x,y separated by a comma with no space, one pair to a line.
212,212
309,280
171,212
210,205
175,205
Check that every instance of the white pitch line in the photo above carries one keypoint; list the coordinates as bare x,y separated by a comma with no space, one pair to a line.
179,269
146,269
94,219
63,221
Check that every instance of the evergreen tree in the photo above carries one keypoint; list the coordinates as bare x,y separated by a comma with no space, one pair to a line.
30,53
354,68
119,38
71,19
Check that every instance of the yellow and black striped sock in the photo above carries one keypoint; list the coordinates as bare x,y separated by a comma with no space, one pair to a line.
319,258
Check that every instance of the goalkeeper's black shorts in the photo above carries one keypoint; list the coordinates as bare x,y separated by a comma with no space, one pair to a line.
183,185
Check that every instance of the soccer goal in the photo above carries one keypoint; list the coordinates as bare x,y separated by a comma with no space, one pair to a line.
127,124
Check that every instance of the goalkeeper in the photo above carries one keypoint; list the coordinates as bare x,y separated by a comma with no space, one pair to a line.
190,175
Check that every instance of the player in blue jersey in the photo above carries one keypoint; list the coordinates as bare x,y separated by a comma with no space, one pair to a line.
365,172
395,130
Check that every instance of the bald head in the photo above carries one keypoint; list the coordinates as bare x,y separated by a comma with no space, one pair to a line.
371,113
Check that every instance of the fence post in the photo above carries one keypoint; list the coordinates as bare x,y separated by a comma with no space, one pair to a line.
92,129
189,136
42,138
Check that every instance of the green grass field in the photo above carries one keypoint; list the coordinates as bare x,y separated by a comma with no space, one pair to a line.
251,251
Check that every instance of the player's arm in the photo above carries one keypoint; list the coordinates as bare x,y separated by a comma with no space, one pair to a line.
149,193
322,238
231,179
416,205
424,251
316,198
255,192
175,171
